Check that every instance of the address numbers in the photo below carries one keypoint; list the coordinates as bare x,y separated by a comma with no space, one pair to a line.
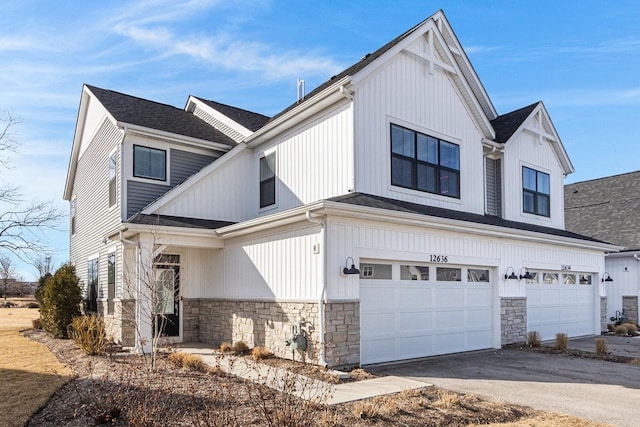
443,259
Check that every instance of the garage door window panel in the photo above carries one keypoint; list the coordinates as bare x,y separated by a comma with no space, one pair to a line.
369,271
414,272
585,279
550,278
475,275
535,278
448,274
568,279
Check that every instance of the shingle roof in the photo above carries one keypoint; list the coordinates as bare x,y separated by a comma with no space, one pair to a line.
249,119
378,202
506,124
606,208
177,221
142,112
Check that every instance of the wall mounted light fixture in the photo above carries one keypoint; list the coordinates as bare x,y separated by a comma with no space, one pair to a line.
352,269
606,277
526,274
511,276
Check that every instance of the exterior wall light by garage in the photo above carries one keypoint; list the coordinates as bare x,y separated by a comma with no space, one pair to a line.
352,270
526,274
511,276
606,277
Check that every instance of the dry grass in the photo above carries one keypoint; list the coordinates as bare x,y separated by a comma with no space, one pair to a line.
240,347
601,346
225,346
29,372
188,361
548,419
533,339
621,330
260,353
630,327
562,342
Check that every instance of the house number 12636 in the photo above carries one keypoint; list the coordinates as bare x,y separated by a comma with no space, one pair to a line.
439,258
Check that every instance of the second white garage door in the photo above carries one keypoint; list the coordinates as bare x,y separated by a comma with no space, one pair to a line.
409,311
560,303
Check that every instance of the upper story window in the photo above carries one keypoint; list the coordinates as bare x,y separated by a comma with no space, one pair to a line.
111,281
112,179
535,192
72,214
424,163
268,180
149,163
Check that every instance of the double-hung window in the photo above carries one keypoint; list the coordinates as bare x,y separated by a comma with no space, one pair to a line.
535,192
268,180
112,179
111,281
92,286
72,215
149,163
424,163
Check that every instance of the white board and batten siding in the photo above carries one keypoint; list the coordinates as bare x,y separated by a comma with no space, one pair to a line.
314,161
94,217
527,150
404,93
278,264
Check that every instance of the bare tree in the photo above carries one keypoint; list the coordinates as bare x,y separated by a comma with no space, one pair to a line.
42,263
21,221
7,271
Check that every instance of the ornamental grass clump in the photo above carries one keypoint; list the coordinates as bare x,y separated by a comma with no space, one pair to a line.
601,346
562,342
89,333
533,339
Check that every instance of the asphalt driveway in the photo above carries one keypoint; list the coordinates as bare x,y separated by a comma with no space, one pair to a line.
602,391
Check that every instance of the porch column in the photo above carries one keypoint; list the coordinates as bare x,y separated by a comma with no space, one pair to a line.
145,284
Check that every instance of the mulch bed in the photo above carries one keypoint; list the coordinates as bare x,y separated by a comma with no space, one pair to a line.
119,390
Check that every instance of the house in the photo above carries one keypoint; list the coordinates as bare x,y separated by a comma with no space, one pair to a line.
607,209
391,213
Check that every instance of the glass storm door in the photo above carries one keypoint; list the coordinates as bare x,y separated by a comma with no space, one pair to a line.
167,300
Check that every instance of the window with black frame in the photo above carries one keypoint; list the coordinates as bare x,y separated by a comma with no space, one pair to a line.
268,180
536,189
150,163
111,281
424,163
91,302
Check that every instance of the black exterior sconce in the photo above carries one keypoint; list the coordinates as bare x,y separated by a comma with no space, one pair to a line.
352,270
511,276
526,274
606,277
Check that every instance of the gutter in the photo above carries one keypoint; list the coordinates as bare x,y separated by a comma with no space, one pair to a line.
323,279
173,137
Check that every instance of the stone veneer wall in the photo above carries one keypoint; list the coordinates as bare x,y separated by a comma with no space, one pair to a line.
269,324
513,320
342,333
603,314
630,307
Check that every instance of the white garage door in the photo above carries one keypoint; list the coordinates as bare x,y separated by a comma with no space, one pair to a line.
560,303
405,315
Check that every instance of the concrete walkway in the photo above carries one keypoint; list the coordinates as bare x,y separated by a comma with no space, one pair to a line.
601,391
299,385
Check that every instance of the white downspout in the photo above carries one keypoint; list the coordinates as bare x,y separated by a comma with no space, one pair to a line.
323,278
138,346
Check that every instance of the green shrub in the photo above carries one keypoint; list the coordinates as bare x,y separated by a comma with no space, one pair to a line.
61,301
40,287
89,333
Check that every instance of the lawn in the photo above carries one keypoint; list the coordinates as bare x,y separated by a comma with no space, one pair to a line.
29,372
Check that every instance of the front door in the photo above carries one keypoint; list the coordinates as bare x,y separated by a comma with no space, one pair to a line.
167,277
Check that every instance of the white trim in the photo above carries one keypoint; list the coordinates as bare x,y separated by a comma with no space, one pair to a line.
173,138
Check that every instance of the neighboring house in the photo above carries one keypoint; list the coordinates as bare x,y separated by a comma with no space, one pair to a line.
398,169
607,209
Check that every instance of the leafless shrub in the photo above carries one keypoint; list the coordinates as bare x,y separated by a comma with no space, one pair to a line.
188,361
533,339
562,342
631,327
447,400
225,347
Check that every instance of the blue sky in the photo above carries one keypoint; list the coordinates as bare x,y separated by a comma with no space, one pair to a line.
581,58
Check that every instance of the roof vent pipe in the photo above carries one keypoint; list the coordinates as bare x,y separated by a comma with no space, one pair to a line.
300,90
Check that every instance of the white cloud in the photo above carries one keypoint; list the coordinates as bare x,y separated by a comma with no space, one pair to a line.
572,98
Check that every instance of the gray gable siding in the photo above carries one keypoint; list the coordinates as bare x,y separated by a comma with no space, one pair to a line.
183,164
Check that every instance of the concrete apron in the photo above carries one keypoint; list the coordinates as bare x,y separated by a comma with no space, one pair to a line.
300,385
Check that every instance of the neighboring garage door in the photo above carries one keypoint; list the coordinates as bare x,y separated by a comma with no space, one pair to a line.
409,311
560,303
